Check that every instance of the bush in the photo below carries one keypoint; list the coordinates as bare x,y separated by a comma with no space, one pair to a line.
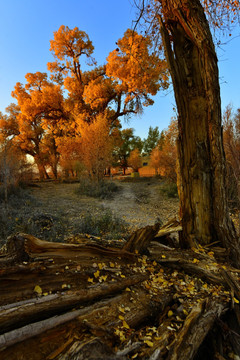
46,226
102,189
106,224
169,189
135,174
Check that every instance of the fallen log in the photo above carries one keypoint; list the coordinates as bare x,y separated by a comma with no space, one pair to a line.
21,247
22,312
131,306
141,238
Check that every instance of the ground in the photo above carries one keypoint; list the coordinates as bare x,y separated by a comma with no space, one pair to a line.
55,210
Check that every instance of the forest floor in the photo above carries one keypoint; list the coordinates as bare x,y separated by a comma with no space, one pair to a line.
56,211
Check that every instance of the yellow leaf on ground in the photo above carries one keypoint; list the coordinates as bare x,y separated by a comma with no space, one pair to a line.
125,325
149,343
112,265
121,317
170,313
90,280
96,274
38,290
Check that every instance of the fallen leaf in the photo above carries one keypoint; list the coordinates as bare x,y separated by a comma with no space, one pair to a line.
38,290
125,325
96,274
149,343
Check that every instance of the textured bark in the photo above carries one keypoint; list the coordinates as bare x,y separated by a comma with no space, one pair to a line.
141,238
193,65
106,303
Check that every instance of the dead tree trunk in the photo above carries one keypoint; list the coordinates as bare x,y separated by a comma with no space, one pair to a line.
193,65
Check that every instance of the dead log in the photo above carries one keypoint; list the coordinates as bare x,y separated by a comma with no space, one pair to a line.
152,319
197,325
173,225
141,238
21,313
23,247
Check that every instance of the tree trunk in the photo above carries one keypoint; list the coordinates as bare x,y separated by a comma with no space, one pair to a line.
193,65
41,168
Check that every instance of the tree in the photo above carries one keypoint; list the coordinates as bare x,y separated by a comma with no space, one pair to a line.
125,144
137,71
97,146
110,86
135,160
163,157
231,139
192,61
38,122
13,167
152,140
168,152
155,159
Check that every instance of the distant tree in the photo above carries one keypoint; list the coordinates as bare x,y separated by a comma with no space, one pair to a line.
135,160
38,122
152,140
168,152
97,146
231,141
126,143
155,159
13,167
164,156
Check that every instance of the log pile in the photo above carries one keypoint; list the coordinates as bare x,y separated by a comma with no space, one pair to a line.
144,300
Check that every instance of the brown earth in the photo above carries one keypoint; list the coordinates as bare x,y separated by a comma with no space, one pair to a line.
138,203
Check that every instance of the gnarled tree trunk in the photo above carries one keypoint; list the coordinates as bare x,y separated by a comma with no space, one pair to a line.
193,65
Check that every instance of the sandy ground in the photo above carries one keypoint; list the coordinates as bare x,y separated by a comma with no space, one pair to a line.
54,211
139,204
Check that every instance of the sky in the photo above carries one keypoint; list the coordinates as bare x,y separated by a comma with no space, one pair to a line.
27,26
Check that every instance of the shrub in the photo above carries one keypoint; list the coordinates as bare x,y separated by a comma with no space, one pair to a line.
102,189
169,189
106,224
135,174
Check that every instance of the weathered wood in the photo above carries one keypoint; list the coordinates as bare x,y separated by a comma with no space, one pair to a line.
140,239
87,276
24,246
99,318
196,327
31,330
23,312
173,225
231,282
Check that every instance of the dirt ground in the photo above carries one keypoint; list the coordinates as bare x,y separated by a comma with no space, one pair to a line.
137,203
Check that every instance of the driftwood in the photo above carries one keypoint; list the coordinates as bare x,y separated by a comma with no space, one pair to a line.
145,300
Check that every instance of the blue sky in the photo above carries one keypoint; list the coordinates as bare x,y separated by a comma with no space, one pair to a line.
27,26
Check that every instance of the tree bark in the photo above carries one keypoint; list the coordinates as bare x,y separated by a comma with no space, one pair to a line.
41,168
193,66
66,301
